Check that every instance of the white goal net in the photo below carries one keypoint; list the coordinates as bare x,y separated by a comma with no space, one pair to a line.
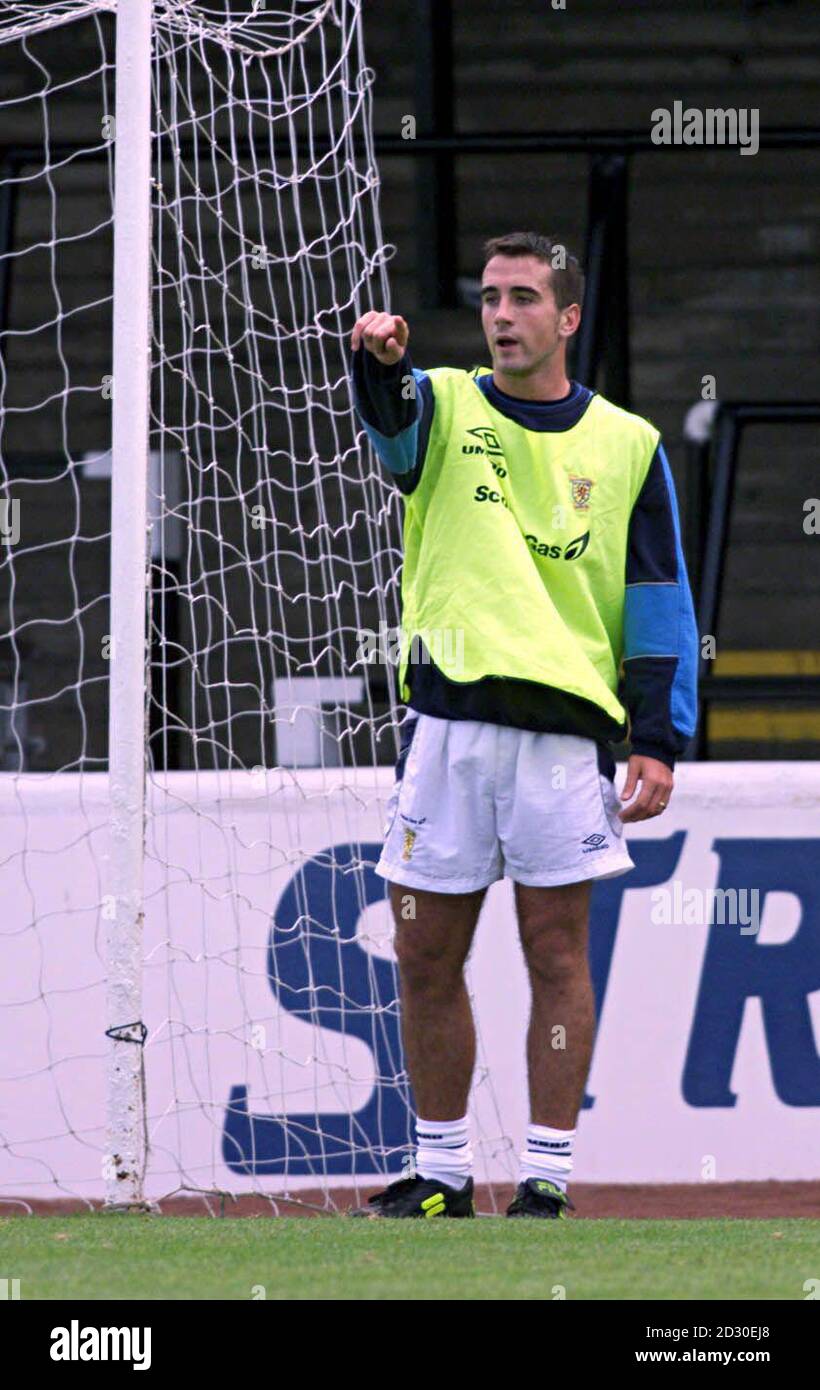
244,1024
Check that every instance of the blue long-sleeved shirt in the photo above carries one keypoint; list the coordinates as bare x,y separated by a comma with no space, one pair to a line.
396,406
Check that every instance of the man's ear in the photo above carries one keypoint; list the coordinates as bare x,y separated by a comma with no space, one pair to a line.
570,320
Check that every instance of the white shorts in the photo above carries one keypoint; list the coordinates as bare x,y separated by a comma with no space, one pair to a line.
473,802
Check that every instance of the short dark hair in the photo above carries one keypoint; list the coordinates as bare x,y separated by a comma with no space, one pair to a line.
567,281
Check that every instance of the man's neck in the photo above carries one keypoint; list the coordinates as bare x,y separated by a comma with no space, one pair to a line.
546,386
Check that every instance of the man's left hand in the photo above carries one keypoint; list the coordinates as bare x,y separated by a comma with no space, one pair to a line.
656,782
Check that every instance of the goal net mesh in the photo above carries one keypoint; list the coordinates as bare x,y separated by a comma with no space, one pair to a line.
272,1051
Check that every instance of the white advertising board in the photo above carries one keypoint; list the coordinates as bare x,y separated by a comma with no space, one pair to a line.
269,999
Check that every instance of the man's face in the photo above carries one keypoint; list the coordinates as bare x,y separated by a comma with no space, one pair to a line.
522,322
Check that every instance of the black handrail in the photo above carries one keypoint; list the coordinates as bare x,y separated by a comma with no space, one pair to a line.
711,493
604,333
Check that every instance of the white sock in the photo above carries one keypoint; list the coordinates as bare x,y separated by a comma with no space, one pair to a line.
444,1153
548,1155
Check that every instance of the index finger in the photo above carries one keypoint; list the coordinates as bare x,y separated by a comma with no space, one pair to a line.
359,327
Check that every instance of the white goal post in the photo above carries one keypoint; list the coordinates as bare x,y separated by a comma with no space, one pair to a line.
126,1157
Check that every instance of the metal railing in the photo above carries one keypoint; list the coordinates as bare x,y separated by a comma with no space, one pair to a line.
712,473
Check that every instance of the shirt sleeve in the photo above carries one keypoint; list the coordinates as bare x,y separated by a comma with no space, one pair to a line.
395,414
660,634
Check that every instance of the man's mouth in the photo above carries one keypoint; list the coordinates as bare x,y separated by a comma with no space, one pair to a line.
506,341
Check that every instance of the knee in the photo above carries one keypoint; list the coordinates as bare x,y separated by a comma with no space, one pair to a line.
424,966
552,965
557,954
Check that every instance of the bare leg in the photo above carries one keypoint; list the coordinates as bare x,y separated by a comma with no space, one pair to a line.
437,1022
553,926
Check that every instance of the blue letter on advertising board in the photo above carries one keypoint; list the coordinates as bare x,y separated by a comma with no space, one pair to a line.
320,974
737,967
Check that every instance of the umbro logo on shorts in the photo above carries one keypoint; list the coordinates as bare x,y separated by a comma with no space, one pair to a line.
594,842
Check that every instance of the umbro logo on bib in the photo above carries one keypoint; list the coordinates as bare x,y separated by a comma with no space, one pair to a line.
490,443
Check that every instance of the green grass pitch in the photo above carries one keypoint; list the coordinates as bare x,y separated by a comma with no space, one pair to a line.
107,1256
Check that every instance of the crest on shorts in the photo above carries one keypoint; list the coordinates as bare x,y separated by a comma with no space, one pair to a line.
581,489
407,846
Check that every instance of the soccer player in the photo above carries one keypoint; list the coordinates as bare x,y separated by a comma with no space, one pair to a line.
542,558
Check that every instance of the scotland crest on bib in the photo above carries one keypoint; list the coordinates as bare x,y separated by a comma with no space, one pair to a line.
581,489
